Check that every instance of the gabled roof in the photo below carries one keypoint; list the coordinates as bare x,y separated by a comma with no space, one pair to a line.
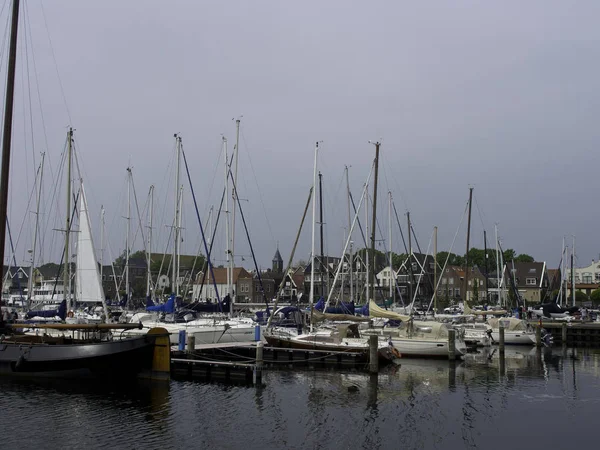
277,256
525,270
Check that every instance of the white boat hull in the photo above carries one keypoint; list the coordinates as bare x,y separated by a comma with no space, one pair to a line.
514,337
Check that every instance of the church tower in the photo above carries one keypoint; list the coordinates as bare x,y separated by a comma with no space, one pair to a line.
277,261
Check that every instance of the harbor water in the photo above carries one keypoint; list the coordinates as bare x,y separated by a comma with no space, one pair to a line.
545,398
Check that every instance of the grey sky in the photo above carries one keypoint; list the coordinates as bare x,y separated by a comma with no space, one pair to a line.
499,95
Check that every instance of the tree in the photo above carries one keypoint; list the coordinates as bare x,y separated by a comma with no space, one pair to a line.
581,297
595,297
524,258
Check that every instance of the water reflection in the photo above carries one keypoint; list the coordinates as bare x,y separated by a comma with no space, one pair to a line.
416,404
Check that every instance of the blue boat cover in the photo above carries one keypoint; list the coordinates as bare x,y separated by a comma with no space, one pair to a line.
60,312
149,301
168,307
320,305
364,311
344,308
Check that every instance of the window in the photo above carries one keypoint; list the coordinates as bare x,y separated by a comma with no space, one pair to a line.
414,267
587,277
530,282
480,282
597,276
457,292
444,281
451,280
532,270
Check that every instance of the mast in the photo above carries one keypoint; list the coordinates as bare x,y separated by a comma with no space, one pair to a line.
502,279
497,265
349,225
374,218
467,254
35,233
391,293
175,275
322,265
7,133
312,251
366,262
486,266
410,272
149,251
234,194
127,245
563,276
435,277
67,257
178,259
101,242
227,241
573,273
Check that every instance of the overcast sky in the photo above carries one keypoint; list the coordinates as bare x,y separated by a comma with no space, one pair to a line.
502,96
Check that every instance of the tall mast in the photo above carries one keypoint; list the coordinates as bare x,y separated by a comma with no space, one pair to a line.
374,218
175,282
435,275
67,257
497,265
562,274
410,258
486,266
573,273
234,194
351,265
149,249
390,242
227,238
7,133
101,242
502,298
312,251
322,265
127,244
35,233
178,259
467,254
367,264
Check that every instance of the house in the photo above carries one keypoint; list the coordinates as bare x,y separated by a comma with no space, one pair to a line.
293,284
529,278
587,279
15,279
240,284
415,275
324,272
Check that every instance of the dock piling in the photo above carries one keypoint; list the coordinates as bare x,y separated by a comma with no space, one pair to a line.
451,344
257,378
501,338
564,333
538,336
373,354
191,343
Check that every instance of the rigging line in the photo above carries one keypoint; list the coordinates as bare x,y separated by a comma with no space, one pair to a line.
201,227
212,183
479,212
22,63
35,73
54,197
257,186
25,23
31,195
400,227
212,239
137,208
385,166
262,289
62,90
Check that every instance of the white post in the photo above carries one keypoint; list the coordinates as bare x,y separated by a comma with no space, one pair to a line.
149,249
351,260
390,242
35,233
497,266
175,283
128,218
227,238
573,272
367,291
234,196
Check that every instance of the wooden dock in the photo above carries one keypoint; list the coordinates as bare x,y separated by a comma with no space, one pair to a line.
577,334
243,362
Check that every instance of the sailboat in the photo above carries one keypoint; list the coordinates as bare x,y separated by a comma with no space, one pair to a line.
97,353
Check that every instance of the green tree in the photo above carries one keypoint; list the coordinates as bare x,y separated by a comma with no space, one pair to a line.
595,297
524,258
581,297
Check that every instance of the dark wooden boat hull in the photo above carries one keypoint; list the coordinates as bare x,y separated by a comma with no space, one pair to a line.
108,359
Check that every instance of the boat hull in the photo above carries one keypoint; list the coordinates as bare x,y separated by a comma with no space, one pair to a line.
514,337
424,348
115,359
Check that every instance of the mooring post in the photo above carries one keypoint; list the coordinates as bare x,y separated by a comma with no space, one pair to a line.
191,343
451,344
257,378
538,336
373,354
564,333
181,343
501,338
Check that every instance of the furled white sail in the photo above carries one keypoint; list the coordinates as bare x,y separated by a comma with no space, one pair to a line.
89,286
